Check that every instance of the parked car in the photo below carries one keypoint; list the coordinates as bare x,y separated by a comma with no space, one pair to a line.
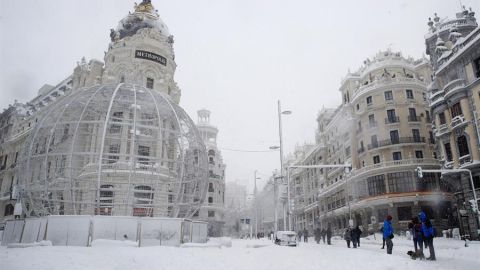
286,238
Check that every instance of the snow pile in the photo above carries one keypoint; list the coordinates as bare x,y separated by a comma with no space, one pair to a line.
451,254
115,243
212,242
34,244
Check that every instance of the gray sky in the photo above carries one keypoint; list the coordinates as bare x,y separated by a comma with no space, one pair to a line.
235,57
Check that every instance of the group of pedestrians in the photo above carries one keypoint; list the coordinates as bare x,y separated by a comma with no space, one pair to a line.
319,234
421,230
353,236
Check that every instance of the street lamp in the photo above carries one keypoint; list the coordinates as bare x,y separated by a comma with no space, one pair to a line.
280,112
255,201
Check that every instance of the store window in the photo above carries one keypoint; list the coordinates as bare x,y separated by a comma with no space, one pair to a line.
399,182
404,213
376,185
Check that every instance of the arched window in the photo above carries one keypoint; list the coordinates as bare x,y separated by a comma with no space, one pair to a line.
143,200
210,187
9,210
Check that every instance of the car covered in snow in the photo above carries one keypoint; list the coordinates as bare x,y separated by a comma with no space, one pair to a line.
286,238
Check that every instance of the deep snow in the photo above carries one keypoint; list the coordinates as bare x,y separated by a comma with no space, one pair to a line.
244,254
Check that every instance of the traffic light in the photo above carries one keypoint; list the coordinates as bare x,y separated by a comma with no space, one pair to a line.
419,172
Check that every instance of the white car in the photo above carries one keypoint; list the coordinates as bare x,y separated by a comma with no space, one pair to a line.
286,238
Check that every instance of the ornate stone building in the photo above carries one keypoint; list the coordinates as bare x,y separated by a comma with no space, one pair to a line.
383,128
109,139
454,49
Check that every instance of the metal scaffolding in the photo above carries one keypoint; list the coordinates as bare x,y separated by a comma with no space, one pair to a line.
116,149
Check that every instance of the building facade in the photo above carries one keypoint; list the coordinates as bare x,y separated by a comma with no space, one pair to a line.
383,129
454,49
116,121
213,210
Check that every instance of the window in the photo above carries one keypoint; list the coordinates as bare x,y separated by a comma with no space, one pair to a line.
432,139
369,100
376,185
388,95
409,93
115,128
106,200
412,115
149,83
441,117
448,151
210,199
8,210
427,116
404,213
476,65
358,106
391,116
212,214
397,155
143,151
143,200
376,159
371,120
374,141
419,154
416,135
462,146
394,137
114,149
210,187
428,182
400,182
456,109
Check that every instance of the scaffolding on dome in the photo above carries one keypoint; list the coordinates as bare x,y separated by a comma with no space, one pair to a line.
117,149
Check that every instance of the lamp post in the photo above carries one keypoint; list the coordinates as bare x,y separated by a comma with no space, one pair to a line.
280,134
255,201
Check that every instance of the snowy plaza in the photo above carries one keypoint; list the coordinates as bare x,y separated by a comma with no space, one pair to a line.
243,255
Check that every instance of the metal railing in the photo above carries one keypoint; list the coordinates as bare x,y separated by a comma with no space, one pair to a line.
394,141
413,118
392,120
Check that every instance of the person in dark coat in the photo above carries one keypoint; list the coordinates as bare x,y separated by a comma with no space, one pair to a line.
356,233
428,234
415,230
329,235
348,236
305,235
324,233
318,235
383,238
388,233
300,234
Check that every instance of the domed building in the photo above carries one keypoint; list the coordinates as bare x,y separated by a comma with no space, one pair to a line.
110,139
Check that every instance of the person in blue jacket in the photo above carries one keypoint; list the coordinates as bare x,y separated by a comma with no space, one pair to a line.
388,233
428,234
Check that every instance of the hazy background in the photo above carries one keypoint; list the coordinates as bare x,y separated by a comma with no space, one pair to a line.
235,57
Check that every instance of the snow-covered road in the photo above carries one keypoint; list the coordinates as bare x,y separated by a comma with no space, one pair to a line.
244,254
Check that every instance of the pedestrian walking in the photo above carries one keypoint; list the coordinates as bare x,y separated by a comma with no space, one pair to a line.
300,233
428,233
329,235
388,233
318,235
305,235
324,233
348,236
356,233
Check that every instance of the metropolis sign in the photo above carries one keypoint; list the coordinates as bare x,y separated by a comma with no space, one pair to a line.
151,56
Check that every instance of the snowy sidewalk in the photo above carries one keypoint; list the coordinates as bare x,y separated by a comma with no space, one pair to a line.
244,254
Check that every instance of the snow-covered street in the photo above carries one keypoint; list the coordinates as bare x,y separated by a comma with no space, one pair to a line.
244,254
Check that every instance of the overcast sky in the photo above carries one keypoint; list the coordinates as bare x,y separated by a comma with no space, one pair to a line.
235,57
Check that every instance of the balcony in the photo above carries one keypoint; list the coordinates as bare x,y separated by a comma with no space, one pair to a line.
414,118
458,121
441,130
454,85
395,163
464,160
392,120
401,140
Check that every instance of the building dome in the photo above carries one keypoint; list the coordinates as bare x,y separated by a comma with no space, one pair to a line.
115,149
145,16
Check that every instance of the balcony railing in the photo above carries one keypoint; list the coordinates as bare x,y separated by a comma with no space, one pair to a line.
413,118
392,120
442,129
465,159
458,83
403,162
457,121
400,140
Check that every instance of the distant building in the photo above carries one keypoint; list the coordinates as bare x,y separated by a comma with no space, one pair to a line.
454,49
213,209
235,196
